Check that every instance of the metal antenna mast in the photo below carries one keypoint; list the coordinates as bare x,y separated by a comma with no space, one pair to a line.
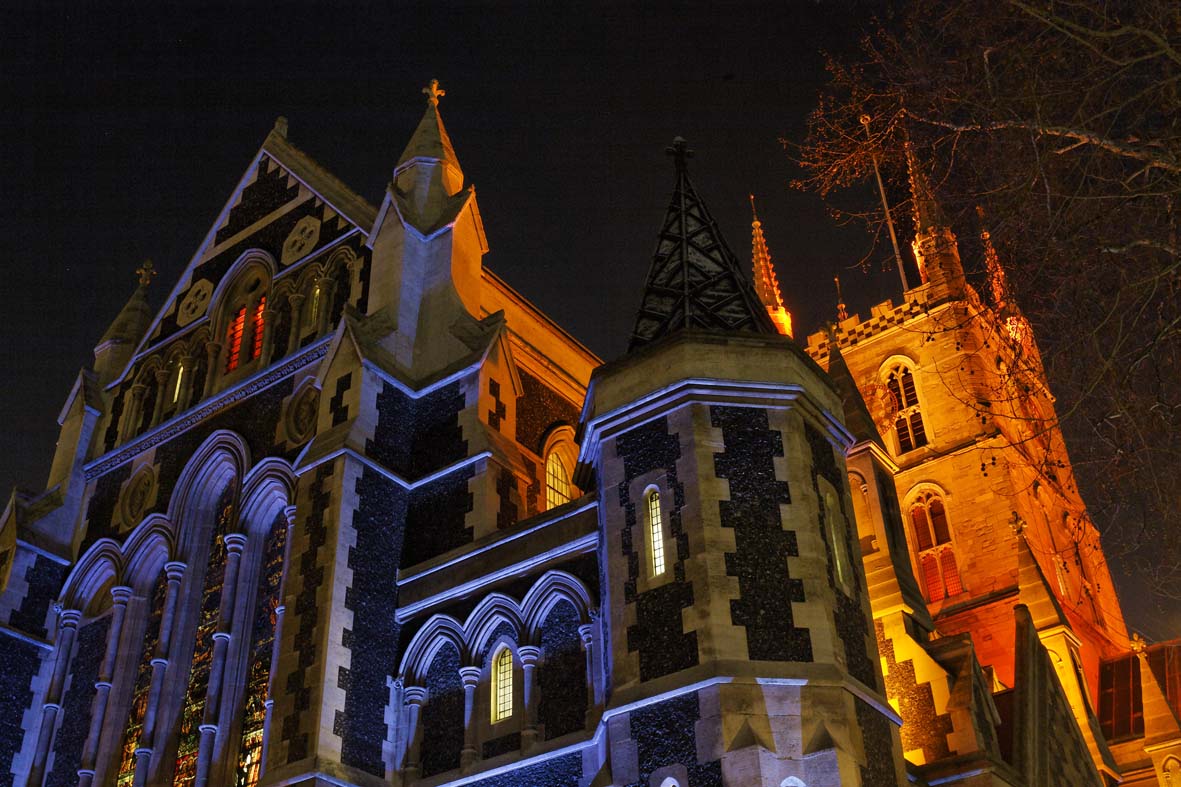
886,207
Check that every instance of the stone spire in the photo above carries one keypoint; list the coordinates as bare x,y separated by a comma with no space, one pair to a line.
430,142
694,282
766,283
1014,321
927,213
116,346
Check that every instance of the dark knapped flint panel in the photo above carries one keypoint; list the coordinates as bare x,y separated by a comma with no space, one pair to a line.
75,713
442,716
762,546
561,677
879,747
926,730
21,661
436,521
45,578
372,598
507,512
502,745
112,433
268,192
563,771
504,630
849,615
664,734
255,419
539,409
306,612
414,437
658,635
336,405
498,411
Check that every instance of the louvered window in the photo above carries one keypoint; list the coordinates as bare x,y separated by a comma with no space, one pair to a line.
909,429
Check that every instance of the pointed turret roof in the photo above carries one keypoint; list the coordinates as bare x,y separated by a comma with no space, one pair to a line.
857,418
132,322
430,140
998,283
763,272
694,282
927,213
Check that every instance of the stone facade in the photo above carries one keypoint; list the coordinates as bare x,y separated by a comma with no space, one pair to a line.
349,510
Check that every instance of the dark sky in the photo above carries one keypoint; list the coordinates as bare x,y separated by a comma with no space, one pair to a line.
123,132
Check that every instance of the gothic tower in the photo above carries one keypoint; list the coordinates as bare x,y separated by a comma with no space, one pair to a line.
739,638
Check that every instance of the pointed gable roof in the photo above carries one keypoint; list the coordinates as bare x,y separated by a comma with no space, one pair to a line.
694,282
927,213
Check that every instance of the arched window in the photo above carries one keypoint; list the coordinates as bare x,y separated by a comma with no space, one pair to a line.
234,331
244,316
836,531
655,533
908,423
932,540
557,480
502,685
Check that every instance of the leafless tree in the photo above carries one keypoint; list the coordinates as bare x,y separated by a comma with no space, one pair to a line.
1061,118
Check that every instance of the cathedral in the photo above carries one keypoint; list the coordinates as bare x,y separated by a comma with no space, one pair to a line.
348,510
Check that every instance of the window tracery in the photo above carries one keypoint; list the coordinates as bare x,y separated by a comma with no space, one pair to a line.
934,549
909,429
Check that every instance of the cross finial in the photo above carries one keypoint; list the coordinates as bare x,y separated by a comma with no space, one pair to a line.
1137,643
754,213
146,273
680,152
433,93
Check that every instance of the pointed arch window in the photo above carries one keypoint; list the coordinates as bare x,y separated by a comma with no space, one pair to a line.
234,339
655,533
502,685
909,428
557,480
933,545
256,324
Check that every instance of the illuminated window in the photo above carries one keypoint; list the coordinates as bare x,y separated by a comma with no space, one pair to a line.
908,423
557,481
256,326
936,557
502,685
180,376
655,533
234,339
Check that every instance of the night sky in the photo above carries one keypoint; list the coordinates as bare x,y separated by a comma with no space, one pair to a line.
124,132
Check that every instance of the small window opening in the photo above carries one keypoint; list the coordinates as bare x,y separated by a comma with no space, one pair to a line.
908,424
557,481
936,557
180,376
655,533
256,325
502,685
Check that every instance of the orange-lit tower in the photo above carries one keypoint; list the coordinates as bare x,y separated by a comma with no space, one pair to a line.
766,282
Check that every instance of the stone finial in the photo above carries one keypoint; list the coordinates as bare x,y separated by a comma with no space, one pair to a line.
281,126
1137,643
433,93
680,152
146,273
842,310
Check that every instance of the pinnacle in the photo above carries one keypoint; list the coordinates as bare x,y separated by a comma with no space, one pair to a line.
430,139
927,213
766,282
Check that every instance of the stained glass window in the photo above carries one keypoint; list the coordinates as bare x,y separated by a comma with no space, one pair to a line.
256,326
557,481
234,339
262,637
932,540
189,736
139,690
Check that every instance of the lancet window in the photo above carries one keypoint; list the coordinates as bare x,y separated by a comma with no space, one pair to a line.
909,429
134,727
655,533
933,545
502,685
557,481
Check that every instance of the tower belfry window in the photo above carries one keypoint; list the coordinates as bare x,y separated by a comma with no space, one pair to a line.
256,326
908,423
502,685
557,481
936,555
234,339
655,534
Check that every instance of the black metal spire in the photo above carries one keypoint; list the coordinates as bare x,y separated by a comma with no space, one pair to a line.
695,281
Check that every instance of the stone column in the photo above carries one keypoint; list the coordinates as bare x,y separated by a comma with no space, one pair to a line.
529,655
414,698
235,544
213,370
325,286
296,300
586,633
174,572
276,644
67,631
134,411
470,677
162,375
120,595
